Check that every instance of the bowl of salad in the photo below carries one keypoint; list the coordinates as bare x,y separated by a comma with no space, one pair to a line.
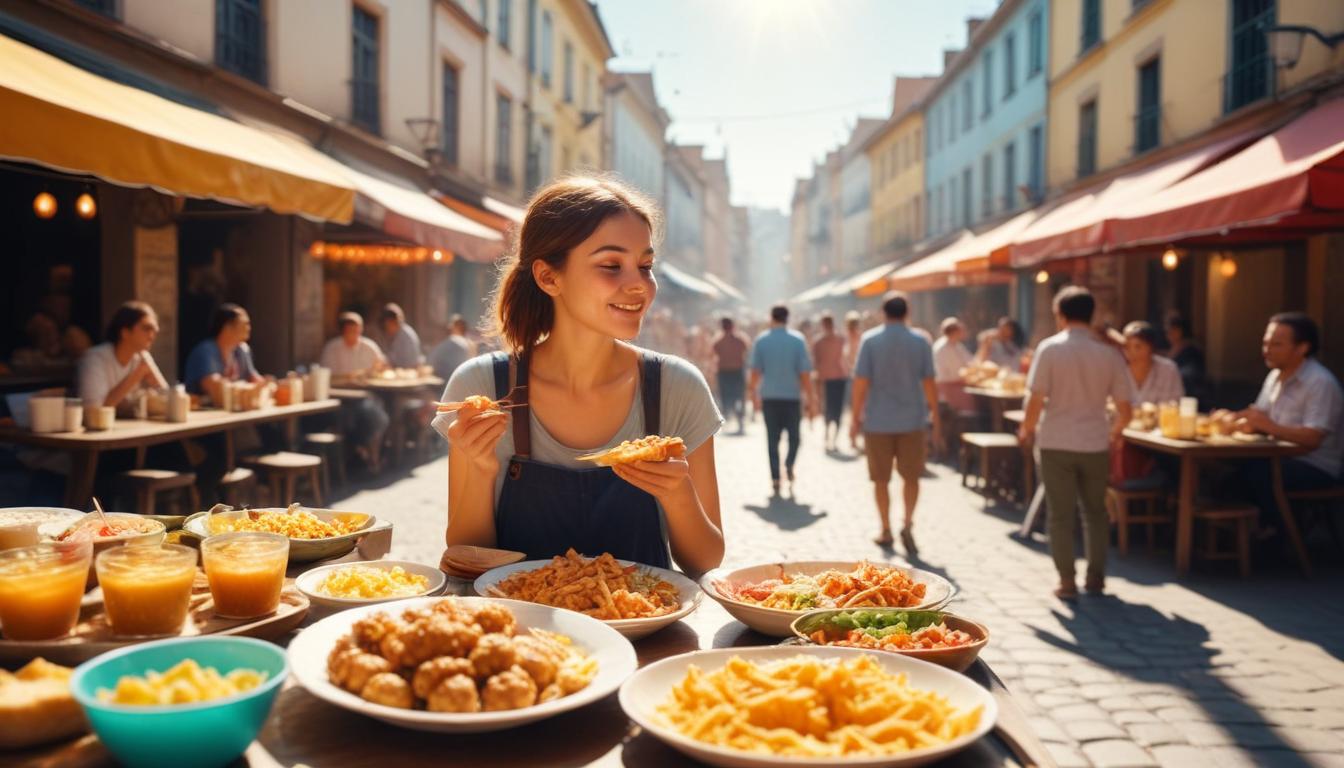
942,638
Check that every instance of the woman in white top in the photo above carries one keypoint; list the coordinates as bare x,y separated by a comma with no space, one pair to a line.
1156,379
111,371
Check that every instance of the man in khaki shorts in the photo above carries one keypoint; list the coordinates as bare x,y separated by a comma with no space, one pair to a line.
894,399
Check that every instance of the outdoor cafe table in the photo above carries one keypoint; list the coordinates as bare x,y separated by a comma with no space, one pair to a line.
1193,452
395,392
999,401
304,730
84,447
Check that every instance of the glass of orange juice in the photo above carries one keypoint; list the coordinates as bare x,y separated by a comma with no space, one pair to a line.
41,588
246,571
146,589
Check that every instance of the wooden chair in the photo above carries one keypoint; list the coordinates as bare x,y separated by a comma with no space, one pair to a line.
994,451
146,484
1235,520
331,447
282,471
1118,504
238,487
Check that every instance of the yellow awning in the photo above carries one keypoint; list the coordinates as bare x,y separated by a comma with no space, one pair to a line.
60,116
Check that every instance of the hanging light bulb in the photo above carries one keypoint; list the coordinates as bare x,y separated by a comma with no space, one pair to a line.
1227,267
44,205
85,206
1170,259
1042,277
436,255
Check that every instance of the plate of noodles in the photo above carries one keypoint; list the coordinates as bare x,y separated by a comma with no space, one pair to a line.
743,707
769,597
632,598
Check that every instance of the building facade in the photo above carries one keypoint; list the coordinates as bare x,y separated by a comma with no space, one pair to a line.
684,240
635,128
855,206
896,165
569,51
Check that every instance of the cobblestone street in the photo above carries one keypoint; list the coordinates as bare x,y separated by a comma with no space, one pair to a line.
1208,671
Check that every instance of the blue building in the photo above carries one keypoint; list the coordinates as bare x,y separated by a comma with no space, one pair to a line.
985,121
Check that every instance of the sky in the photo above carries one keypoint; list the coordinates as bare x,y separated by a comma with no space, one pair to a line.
778,83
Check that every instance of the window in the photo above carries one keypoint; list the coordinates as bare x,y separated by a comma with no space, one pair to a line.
987,186
1091,33
546,53
919,144
531,27
1036,162
966,99
569,72
1087,139
966,194
364,84
1010,176
240,38
450,115
1148,117
952,117
503,139
1009,65
505,22
987,98
1035,44
105,7
1250,68
584,102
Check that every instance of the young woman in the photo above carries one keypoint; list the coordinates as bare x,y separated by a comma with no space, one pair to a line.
111,371
579,284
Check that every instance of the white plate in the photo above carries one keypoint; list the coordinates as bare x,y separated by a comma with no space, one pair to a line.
777,622
634,629
614,654
309,582
650,686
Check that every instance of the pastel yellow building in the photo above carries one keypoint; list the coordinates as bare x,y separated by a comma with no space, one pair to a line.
572,50
1127,78
896,158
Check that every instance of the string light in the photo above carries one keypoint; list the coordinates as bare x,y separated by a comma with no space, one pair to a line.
1170,259
44,205
85,206
1042,277
368,253
1227,267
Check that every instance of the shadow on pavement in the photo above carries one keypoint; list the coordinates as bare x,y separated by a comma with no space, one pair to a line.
1147,646
786,513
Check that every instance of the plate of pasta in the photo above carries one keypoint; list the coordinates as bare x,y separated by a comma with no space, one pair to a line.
807,706
769,597
631,598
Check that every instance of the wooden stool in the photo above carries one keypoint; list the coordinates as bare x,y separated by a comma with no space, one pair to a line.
238,487
146,484
331,447
1154,513
1234,519
1320,498
995,449
282,471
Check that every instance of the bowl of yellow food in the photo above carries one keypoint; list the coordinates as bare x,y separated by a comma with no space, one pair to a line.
314,534
344,585
206,697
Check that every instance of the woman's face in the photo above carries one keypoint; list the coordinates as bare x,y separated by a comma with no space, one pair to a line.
1137,350
607,283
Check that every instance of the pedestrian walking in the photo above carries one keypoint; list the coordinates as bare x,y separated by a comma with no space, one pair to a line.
828,354
730,361
781,389
895,399
1072,375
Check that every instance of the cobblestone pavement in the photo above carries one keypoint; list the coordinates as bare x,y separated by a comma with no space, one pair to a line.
1207,671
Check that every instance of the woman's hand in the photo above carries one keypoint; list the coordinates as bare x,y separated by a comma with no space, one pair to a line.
476,433
664,480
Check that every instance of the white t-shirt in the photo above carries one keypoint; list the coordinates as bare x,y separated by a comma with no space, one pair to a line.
100,372
344,360
949,359
687,410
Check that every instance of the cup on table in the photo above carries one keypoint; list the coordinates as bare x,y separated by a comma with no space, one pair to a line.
99,417
41,588
246,571
74,414
146,589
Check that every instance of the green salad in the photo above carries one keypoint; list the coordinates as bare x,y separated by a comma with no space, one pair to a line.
876,623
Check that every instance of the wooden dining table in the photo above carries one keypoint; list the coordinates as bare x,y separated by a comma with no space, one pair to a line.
1193,453
395,392
305,730
85,446
998,401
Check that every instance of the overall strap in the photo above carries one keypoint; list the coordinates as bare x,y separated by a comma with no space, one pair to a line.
501,367
522,413
651,386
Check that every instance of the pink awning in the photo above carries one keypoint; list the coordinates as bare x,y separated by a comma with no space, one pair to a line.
1077,225
1293,173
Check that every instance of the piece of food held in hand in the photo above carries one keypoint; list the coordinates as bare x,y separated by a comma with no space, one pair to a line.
867,586
476,402
456,657
651,448
600,587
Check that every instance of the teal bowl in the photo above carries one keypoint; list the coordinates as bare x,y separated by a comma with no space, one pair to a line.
212,733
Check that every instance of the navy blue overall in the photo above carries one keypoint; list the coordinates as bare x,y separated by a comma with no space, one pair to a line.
545,509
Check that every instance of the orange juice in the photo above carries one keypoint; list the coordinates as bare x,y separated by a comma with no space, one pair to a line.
146,589
41,588
246,571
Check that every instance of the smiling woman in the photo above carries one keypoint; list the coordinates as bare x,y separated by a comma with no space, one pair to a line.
570,297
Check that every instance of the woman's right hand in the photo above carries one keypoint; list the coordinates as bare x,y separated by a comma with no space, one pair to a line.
476,433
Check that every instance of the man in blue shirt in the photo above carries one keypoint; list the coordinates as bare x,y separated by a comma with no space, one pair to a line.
781,387
894,398
403,343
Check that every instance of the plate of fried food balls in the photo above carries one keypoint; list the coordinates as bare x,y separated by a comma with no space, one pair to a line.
460,664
